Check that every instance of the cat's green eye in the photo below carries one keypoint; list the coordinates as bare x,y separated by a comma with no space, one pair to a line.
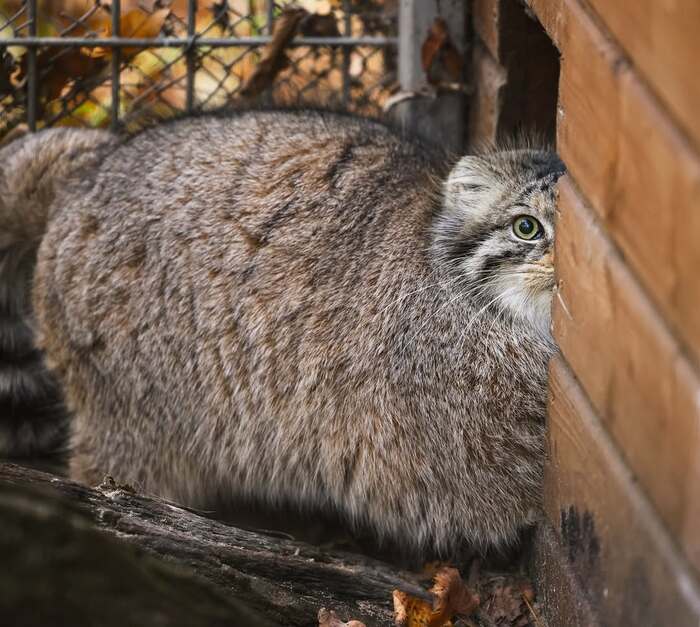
527,228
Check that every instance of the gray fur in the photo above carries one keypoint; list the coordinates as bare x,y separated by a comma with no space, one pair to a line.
301,308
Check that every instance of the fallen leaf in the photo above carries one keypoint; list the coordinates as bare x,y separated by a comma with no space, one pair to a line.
88,113
508,601
410,611
134,24
274,58
430,569
436,39
328,618
440,59
58,68
450,595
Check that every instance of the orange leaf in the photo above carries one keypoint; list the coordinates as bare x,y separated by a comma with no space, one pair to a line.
450,596
440,58
434,42
411,611
63,67
134,24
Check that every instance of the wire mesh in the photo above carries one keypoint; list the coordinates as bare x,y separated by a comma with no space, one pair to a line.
123,62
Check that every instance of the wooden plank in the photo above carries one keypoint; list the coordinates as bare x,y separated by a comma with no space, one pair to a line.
549,13
661,38
689,531
635,167
656,214
629,567
486,18
485,110
559,592
588,105
639,380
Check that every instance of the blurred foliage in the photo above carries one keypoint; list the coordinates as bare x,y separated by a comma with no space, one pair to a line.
74,83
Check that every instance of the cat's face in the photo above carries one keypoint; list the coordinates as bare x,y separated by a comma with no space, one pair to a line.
496,231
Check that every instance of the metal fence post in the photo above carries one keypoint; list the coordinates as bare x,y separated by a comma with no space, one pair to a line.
435,115
116,65
32,70
191,54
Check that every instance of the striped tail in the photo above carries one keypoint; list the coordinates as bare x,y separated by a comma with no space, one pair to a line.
33,170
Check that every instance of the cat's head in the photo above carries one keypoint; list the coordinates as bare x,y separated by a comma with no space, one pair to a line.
496,231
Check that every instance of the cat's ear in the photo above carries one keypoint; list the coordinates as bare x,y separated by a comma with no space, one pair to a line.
468,181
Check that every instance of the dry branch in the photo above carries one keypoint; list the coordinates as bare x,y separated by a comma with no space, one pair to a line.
181,568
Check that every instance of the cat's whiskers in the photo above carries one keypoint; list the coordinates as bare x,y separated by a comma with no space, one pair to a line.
523,302
502,309
474,318
406,295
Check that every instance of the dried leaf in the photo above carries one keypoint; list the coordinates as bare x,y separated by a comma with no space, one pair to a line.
89,113
410,611
58,68
508,601
437,37
430,569
274,58
134,24
450,597
440,58
328,618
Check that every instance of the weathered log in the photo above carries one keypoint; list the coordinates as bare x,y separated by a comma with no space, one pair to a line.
61,567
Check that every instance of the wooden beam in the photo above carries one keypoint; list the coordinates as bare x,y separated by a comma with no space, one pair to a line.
661,40
641,384
635,166
70,551
628,565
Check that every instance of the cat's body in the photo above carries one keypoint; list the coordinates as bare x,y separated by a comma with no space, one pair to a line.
271,306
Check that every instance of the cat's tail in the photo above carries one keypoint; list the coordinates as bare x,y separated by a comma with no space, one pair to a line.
33,171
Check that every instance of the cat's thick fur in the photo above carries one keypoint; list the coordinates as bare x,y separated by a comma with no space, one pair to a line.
280,306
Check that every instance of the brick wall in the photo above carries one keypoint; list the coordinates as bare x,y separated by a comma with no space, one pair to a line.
623,478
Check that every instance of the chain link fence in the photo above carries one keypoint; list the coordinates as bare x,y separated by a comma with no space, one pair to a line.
120,63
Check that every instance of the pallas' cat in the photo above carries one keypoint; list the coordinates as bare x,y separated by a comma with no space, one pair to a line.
298,308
